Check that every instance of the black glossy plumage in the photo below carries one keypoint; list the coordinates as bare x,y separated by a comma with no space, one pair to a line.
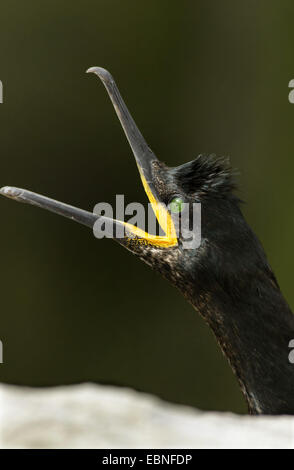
230,283
227,278
207,174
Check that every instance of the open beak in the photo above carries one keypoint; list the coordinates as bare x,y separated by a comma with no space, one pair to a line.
144,159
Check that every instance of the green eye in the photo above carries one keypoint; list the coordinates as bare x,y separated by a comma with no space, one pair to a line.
176,204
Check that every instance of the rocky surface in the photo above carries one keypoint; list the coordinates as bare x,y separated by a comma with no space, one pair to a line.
95,416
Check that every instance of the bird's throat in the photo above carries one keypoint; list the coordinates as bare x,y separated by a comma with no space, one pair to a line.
254,329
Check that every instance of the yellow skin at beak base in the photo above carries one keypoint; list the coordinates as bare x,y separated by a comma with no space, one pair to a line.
164,219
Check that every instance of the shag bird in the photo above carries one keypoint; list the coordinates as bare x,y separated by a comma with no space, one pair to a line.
227,278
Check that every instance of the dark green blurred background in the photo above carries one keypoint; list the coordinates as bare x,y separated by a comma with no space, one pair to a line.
198,76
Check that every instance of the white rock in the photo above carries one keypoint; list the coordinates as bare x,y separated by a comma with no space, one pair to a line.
95,416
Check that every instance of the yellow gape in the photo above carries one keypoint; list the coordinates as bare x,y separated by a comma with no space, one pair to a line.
164,219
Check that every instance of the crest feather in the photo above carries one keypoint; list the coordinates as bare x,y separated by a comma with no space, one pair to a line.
206,174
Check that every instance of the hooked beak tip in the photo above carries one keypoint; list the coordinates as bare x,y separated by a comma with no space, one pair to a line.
11,192
103,74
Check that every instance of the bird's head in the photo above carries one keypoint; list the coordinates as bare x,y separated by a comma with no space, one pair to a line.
203,235
205,240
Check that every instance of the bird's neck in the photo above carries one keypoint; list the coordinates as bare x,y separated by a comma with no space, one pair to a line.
253,325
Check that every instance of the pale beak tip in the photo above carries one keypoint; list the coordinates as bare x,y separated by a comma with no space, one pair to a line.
10,191
103,74
91,70
6,190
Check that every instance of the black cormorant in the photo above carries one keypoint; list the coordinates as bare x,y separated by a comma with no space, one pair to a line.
227,278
